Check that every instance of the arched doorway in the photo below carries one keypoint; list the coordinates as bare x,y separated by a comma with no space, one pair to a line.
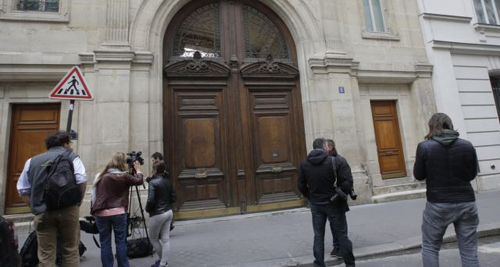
233,123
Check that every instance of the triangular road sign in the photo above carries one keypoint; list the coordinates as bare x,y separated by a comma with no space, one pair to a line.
72,86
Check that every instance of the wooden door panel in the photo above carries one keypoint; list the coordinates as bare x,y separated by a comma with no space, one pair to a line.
199,162
199,142
31,124
273,147
388,138
385,130
273,142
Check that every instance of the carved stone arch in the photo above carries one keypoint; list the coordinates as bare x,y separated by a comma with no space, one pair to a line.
153,16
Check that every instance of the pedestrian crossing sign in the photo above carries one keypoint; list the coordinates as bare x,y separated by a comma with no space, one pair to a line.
72,86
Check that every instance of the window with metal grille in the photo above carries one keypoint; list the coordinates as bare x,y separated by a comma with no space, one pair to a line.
38,5
495,86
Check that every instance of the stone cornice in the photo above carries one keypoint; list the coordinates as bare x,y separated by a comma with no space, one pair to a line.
114,55
33,72
393,77
137,57
433,16
36,72
333,63
386,76
87,58
143,57
467,48
424,70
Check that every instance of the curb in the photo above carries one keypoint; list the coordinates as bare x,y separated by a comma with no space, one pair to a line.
371,252
385,250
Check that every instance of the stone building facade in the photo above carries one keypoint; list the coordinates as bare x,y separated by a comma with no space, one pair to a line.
462,41
234,119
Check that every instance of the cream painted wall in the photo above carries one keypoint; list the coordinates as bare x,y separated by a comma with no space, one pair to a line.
462,63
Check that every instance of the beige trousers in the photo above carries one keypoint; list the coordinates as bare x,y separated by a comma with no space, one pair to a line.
65,224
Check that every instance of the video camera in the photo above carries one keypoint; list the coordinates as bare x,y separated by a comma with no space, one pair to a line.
133,157
339,194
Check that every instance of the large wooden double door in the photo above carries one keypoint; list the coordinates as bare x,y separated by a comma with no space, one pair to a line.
233,124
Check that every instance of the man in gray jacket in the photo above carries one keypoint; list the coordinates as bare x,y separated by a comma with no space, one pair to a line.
51,224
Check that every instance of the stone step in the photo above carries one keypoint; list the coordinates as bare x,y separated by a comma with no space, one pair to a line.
20,217
398,188
22,221
403,195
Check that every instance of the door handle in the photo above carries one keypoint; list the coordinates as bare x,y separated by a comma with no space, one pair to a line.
201,174
276,169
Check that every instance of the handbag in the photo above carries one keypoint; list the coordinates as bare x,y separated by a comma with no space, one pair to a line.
139,247
89,226
29,251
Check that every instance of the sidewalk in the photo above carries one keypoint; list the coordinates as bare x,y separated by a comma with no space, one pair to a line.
285,238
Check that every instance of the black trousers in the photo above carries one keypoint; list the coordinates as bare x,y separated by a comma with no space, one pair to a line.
338,224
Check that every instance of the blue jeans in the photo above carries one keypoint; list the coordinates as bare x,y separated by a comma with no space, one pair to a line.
119,225
336,243
320,213
436,218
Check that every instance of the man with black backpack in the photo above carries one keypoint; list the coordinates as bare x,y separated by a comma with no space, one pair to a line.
53,184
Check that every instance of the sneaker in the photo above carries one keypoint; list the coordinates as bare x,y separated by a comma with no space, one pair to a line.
156,264
166,265
335,253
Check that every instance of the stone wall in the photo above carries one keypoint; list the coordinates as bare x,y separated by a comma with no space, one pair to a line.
119,45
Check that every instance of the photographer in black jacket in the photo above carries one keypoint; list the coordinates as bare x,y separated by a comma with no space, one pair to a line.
317,183
342,169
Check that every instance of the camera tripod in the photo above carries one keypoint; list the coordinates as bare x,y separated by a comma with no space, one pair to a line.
135,222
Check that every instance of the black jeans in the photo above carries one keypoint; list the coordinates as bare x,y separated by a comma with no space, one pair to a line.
320,213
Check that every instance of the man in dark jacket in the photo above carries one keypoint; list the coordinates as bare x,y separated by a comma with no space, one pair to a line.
344,170
448,164
316,183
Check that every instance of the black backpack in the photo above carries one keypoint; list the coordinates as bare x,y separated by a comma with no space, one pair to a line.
61,190
29,251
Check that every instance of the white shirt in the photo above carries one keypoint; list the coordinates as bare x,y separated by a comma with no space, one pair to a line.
24,186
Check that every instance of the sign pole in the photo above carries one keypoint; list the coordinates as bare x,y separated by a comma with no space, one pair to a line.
70,115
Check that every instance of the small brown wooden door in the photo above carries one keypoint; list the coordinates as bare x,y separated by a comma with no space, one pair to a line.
233,126
30,125
388,137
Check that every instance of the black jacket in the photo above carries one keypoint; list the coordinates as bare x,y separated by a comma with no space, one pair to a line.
448,164
161,195
316,179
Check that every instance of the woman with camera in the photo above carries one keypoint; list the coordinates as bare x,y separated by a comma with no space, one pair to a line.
161,196
111,201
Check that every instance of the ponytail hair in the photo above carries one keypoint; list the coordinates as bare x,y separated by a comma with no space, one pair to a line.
160,168
117,161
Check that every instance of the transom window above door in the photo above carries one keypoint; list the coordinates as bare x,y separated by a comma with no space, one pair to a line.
200,31
487,11
229,27
262,37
